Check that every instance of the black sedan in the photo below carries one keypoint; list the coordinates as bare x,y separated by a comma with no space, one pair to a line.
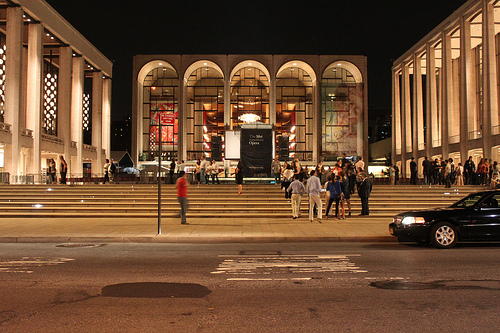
474,218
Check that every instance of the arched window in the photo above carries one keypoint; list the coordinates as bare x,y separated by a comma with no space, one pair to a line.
205,111
249,96
161,100
294,111
341,112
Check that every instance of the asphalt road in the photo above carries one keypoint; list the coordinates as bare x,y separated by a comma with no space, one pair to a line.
307,287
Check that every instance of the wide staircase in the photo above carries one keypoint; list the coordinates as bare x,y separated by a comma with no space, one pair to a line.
221,201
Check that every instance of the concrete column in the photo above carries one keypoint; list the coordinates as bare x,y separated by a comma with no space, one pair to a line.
13,83
396,115
317,134
405,116
272,101
227,101
182,121
64,103
418,117
34,93
432,109
77,113
97,120
106,116
467,97
490,94
446,92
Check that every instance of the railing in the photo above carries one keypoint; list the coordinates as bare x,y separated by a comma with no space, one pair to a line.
5,127
90,148
52,138
454,139
475,135
27,133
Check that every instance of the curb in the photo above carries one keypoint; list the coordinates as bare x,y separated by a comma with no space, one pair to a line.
194,240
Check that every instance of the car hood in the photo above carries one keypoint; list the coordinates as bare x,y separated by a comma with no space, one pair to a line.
434,212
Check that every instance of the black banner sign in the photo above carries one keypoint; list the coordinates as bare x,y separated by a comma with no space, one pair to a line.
256,151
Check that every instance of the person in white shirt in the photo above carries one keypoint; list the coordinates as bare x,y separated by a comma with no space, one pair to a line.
314,191
203,167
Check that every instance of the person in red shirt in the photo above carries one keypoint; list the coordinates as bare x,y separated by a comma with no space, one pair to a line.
182,187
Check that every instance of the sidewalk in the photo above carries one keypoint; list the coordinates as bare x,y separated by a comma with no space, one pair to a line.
204,230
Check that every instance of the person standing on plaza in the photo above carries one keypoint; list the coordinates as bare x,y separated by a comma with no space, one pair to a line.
172,170
346,190
392,174
52,171
288,175
203,168
413,172
335,189
106,171
364,192
426,166
314,191
63,170
238,173
296,188
182,185
276,167
469,169
459,175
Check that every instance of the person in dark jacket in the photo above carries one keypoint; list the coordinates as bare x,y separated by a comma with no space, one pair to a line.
364,190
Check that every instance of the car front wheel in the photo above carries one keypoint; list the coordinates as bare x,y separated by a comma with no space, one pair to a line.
444,235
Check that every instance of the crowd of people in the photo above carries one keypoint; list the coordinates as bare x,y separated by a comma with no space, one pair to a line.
336,184
446,172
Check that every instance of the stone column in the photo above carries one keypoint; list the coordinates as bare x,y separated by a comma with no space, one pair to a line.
396,115
432,109
106,116
182,121
467,97
64,103
446,92
317,114
97,120
227,101
406,117
77,113
418,117
13,83
34,93
490,94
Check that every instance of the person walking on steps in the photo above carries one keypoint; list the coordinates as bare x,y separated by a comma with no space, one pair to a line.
182,185
314,191
297,189
239,176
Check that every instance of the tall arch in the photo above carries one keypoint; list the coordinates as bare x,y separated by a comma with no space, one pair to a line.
342,110
249,84
204,87
295,83
158,90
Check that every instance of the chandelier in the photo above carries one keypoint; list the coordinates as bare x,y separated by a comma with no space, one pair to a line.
249,118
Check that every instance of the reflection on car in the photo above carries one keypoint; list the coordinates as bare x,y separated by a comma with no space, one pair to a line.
474,218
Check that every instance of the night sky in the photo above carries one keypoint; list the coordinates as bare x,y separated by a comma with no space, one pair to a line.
381,30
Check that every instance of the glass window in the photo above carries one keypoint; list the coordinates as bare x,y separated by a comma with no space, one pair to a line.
249,97
161,90
205,111
294,107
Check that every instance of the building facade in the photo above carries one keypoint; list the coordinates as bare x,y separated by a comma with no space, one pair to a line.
446,90
55,94
317,103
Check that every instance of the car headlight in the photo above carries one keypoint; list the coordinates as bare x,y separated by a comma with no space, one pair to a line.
413,220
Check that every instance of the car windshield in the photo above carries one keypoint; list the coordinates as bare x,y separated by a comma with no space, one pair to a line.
468,201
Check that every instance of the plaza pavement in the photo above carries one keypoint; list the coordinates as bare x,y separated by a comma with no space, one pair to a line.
199,230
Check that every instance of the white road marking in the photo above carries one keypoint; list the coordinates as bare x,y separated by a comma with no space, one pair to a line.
284,264
26,264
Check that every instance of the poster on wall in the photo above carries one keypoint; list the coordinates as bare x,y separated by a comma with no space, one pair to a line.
256,151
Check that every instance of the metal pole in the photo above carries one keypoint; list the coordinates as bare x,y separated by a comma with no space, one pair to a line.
159,177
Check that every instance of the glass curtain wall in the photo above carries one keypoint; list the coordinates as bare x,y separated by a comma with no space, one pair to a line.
294,111
161,101
205,111
341,110
249,97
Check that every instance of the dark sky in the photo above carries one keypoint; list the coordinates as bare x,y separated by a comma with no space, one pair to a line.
380,29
